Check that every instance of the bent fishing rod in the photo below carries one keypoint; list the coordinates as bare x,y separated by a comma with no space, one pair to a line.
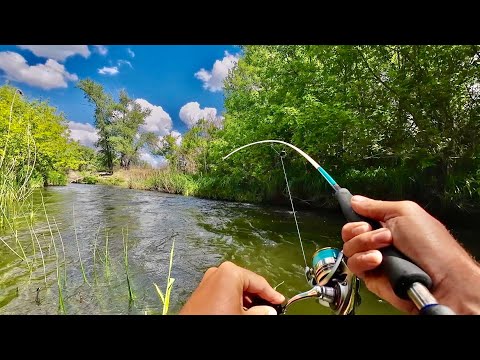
408,281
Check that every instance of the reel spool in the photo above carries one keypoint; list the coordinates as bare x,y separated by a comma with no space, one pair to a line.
334,285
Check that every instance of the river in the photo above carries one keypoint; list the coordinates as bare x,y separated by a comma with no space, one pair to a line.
206,232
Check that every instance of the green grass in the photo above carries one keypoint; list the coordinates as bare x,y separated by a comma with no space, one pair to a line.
106,256
95,241
78,248
165,299
63,250
125,258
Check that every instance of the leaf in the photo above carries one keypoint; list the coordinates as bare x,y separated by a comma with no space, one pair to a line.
160,294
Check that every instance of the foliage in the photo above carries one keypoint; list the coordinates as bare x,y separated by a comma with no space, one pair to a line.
118,125
34,139
389,121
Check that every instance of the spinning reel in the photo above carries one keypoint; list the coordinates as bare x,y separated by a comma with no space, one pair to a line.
334,285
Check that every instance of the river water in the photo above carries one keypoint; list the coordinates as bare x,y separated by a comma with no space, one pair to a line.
205,232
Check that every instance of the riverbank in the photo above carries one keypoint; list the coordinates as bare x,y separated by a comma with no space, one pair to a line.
209,187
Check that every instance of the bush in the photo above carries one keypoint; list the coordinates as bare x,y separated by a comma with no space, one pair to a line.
55,178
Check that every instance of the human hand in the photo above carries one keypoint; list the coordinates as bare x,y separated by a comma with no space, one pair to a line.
420,237
228,290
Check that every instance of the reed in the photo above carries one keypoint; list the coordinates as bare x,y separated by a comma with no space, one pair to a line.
63,250
106,256
125,258
34,235
61,303
95,239
166,298
78,247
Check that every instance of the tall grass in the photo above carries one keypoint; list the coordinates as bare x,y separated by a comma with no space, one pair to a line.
61,303
63,250
95,240
15,174
125,258
34,235
106,256
166,298
78,247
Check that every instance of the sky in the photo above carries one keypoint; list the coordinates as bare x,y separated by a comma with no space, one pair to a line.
179,83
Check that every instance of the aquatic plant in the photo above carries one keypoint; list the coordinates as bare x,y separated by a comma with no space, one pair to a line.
166,298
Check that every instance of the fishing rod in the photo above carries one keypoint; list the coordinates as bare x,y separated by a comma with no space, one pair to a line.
334,285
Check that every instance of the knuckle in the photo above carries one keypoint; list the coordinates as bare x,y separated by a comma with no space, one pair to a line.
409,206
227,265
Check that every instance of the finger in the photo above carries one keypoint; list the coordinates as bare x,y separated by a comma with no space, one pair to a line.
361,262
209,273
350,230
381,210
261,310
379,284
256,284
370,240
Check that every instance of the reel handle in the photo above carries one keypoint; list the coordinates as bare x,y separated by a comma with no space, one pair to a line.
400,270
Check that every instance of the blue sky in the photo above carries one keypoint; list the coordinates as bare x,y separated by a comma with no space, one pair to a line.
165,78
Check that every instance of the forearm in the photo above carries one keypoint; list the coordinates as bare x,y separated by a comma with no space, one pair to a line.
461,289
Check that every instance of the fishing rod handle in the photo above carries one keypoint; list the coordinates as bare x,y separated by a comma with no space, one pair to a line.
400,270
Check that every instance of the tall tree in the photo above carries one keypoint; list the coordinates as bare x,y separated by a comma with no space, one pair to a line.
127,137
104,107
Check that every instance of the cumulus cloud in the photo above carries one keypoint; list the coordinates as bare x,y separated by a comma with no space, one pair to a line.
108,70
158,122
46,76
57,52
101,49
86,134
130,52
213,80
178,137
191,113
154,160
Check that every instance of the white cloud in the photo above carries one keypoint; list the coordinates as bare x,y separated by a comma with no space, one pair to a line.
213,80
158,122
46,76
86,134
191,113
130,52
57,52
101,49
125,62
108,70
178,137
155,161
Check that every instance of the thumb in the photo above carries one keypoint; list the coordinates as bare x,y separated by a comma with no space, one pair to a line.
376,209
261,310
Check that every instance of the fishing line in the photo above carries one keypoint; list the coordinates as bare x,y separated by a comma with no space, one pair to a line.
408,281
282,155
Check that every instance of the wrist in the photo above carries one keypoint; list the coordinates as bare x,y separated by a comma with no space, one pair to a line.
460,290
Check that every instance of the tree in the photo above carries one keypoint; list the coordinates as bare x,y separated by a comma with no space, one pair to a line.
104,107
126,138
396,120
34,138
119,126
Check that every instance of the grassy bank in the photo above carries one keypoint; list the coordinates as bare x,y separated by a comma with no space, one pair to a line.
252,191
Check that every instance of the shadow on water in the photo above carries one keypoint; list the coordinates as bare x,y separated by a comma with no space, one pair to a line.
206,232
